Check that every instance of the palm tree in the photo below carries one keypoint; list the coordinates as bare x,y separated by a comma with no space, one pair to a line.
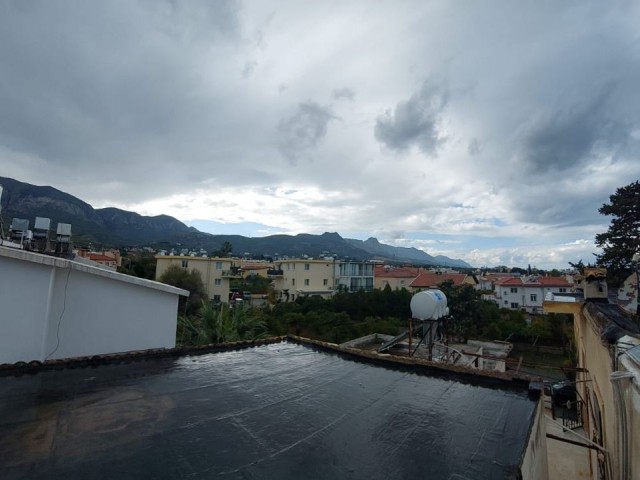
225,324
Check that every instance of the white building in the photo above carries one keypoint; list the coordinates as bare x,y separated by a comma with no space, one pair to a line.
53,308
354,276
527,293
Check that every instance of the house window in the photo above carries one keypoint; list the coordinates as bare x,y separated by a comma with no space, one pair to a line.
534,297
218,265
306,282
216,298
514,289
293,281
401,282
185,263
217,282
514,305
306,266
562,290
325,282
506,302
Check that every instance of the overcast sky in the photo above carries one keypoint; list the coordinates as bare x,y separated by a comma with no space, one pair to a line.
487,131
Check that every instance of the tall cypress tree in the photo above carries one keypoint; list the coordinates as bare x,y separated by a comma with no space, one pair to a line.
622,240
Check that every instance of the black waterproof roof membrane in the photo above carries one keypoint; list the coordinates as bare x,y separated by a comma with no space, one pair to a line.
278,411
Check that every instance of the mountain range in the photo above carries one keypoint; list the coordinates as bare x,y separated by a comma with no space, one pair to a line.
113,227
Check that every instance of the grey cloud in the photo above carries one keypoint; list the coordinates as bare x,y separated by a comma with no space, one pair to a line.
415,121
195,20
109,87
567,137
302,130
549,203
248,69
474,147
343,94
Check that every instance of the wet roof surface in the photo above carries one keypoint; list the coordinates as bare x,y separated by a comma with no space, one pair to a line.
616,321
277,411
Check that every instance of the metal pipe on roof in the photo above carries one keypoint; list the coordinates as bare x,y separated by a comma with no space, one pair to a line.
621,419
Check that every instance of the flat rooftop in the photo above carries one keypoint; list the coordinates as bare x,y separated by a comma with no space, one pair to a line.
282,410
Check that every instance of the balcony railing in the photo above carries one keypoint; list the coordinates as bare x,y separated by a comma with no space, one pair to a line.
233,273
274,272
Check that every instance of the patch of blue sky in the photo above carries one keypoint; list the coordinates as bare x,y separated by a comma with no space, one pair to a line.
246,229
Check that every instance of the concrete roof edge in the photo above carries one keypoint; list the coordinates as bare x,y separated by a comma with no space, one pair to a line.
57,262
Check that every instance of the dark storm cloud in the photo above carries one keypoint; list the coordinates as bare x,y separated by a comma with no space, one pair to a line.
343,94
90,85
302,130
567,138
414,121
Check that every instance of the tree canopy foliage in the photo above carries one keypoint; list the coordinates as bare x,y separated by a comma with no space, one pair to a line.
187,280
221,323
622,240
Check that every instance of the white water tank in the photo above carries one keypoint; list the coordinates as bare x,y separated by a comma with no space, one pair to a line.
429,305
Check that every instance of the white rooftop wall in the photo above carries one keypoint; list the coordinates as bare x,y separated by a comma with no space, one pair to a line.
53,308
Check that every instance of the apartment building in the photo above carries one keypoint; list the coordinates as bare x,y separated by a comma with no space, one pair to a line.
295,277
216,272
354,276
528,293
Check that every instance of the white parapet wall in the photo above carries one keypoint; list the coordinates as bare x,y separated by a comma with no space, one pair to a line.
52,308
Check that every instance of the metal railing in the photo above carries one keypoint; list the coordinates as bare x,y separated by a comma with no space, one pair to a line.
572,414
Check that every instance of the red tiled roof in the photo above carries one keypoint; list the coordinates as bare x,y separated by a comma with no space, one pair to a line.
399,272
540,282
429,279
98,257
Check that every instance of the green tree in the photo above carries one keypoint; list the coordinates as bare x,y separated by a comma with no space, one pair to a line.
187,280
225,324
465,307
226,249
622,240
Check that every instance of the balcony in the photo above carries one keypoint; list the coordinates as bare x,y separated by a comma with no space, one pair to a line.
275,272
234,272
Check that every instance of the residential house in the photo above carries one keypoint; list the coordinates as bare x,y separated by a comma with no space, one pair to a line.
528,293
253,267
396,278
108,258
487,282
434,279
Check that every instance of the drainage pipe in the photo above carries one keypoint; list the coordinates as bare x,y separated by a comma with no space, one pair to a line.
619,391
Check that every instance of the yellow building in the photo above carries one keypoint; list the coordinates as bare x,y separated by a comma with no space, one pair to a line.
295,277
608,383
216,273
